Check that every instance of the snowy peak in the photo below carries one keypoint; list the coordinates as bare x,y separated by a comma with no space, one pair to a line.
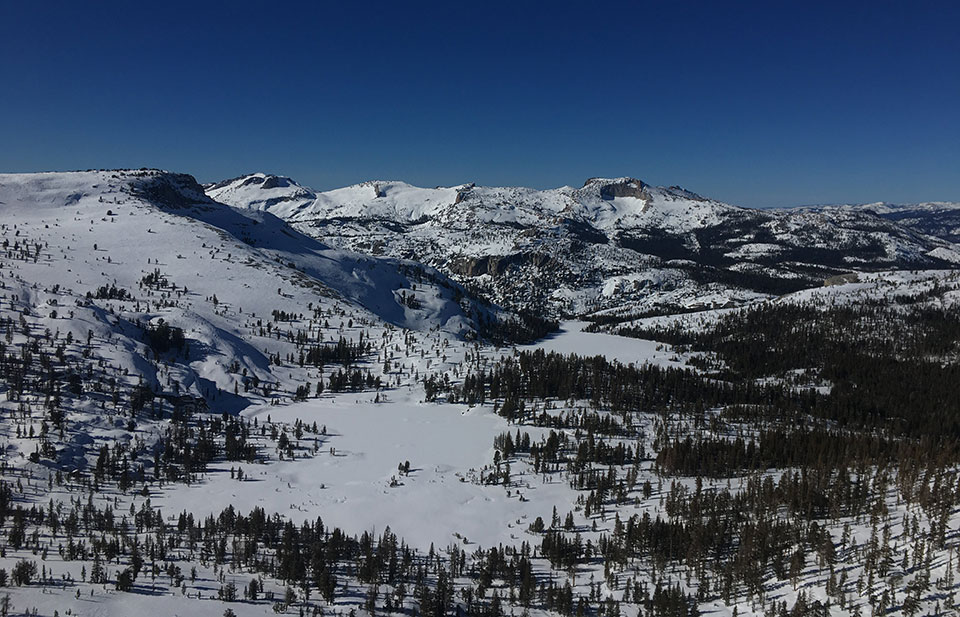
260,181
389,200
629,203
617,187
261,191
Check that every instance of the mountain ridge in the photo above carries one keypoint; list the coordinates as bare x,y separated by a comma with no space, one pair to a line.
613,245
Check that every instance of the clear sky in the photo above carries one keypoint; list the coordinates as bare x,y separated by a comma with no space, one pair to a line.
757,104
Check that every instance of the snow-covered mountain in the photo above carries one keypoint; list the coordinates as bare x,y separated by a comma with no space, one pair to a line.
934,218
165,214
616,246
604,204
122,255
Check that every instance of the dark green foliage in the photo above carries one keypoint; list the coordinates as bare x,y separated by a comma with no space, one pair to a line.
125,580
162,337
538,374
889,368
24,572
524,328
342,352
111,292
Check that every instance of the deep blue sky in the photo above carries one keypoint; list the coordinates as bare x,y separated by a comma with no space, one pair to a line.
755,104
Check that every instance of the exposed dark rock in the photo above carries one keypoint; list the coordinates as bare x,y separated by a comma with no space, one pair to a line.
842,279
498,265
169,189
627,187
252,180
273,182
463,193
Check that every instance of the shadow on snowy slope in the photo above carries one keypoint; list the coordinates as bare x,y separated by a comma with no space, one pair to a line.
377,284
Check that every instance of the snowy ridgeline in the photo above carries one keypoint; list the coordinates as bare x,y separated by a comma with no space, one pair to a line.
613,247
205,412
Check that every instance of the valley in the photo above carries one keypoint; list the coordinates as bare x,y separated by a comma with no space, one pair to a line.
251,398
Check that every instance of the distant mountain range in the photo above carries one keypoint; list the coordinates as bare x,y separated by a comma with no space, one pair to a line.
935,218
614,247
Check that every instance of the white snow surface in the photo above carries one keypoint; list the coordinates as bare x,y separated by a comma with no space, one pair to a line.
572,339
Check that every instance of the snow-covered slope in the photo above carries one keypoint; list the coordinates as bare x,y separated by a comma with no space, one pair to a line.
144,282
169,217
615,245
